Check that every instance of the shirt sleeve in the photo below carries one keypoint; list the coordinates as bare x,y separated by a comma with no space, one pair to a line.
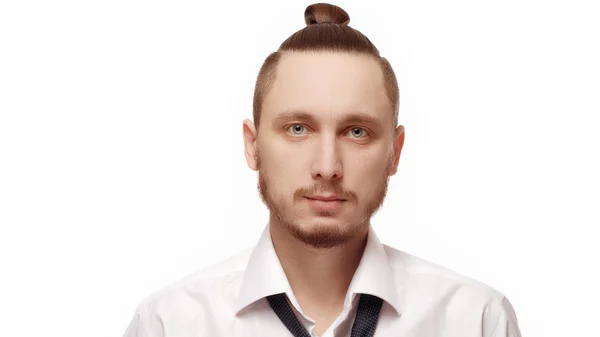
138,327
505,318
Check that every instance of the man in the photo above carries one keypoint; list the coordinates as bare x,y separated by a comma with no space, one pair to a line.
324,142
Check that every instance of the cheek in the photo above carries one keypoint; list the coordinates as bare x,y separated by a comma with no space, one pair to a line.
364,166
284,175
366,175
291,163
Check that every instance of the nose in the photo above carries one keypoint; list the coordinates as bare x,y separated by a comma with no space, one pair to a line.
327,164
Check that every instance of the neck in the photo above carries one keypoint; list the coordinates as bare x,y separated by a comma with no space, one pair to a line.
319,278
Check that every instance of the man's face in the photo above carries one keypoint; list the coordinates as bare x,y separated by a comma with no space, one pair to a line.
325,133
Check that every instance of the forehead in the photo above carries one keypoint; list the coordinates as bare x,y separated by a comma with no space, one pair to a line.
327,84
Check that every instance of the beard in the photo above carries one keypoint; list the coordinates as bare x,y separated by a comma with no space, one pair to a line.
320,234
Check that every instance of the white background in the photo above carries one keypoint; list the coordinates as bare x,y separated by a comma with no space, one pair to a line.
122,167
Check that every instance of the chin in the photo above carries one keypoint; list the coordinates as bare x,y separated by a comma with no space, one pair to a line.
323,220
324,232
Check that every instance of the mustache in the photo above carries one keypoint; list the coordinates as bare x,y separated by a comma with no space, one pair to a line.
325,189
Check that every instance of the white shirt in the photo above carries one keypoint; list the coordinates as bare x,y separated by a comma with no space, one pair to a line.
421,299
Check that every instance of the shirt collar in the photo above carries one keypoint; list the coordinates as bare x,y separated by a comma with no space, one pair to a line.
264,274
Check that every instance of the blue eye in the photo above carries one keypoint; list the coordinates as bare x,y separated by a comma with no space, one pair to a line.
361,131
297,129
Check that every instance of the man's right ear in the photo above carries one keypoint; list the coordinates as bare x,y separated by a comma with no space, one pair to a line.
250,137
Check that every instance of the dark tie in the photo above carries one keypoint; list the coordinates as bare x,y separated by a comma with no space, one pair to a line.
364,325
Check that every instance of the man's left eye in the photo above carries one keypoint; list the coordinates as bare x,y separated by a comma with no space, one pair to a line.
358,132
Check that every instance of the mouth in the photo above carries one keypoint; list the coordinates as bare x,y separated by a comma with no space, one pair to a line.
325,204
326,198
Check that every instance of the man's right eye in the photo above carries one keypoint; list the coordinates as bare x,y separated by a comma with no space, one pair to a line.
296,128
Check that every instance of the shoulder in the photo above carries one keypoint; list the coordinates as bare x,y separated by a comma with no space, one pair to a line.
414,270
204,282
193,296
429,287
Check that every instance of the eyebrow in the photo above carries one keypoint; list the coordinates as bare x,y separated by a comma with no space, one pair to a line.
356,117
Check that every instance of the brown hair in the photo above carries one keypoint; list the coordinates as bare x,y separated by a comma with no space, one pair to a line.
326,30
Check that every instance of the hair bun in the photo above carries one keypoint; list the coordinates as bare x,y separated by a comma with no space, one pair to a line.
325,13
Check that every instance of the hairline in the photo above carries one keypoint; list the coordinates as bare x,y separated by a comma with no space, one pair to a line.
271,75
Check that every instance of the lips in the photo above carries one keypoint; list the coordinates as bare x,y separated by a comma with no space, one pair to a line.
325,204
326,198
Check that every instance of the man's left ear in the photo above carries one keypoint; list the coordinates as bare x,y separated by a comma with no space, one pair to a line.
398,144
